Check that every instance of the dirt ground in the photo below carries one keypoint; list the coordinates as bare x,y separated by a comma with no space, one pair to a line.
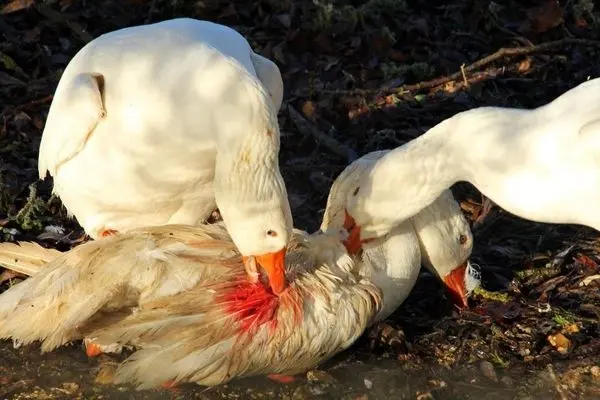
359,76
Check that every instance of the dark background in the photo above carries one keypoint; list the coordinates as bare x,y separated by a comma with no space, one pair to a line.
359,76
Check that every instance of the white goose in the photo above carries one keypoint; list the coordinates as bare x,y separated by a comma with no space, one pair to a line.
180,296
159,124
541,165
432,230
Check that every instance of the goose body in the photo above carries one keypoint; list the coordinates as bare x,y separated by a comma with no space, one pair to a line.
540,164
178,294
161,123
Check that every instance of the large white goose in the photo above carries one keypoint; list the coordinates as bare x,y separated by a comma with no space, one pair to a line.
540,164
179,295
159,124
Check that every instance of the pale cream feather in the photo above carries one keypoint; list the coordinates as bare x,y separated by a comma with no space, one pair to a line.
168,300
26,257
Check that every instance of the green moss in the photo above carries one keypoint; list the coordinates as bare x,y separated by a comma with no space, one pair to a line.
28,215
494,296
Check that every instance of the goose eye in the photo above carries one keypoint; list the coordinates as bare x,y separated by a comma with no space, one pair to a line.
271,233
462,239
356,191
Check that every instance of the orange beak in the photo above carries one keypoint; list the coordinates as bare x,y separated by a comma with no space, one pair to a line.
274,266
455,282
353,242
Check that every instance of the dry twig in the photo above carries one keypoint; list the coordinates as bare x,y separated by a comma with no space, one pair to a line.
462,74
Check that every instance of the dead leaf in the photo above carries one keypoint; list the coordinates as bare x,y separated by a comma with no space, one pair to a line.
308,109
32,35
587,261
65,4
16,5
572,328
560,342
284,19
424,396
524,66
70,387
278,53
38,122
397,56
230,11
545,17
581,23
9,80
589,279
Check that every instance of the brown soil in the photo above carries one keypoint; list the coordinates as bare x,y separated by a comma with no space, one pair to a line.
359,76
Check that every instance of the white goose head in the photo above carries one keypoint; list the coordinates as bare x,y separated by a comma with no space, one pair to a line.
249,188
439,236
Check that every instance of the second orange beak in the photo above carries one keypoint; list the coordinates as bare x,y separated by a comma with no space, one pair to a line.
455,282
353,242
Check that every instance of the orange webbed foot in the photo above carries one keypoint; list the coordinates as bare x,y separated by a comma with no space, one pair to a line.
171,386
92,349
108,232
281,378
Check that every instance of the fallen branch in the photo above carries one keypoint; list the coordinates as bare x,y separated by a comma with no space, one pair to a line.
306,127
464,70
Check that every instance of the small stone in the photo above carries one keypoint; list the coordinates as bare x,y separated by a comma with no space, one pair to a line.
595,371
319,376
106,374
487,369
438,384
368,383
70,387
524,352
424,396
506,380
309,391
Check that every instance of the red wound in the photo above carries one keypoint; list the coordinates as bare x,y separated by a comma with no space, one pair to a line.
252,304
